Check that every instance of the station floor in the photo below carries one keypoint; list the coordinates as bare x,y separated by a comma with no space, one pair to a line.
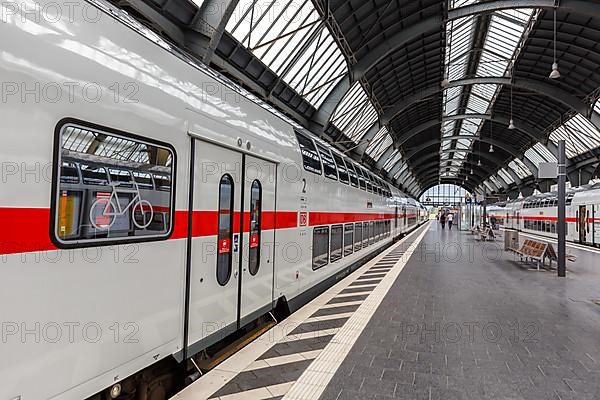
439,315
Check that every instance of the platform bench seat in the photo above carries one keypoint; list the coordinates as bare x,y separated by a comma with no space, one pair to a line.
534,251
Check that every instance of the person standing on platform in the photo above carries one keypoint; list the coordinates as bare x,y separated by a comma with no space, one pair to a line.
443,220
450,220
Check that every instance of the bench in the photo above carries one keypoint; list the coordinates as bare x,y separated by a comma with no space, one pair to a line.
487,235
534,251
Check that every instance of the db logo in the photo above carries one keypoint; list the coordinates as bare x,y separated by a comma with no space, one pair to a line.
303,219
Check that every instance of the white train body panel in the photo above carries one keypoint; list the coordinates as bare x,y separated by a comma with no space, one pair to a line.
74,321
539,215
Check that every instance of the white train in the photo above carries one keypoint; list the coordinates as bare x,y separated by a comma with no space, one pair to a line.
149,210
538,215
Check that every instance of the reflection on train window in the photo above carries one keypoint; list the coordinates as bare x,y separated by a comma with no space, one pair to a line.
225,234
337,242
361,179
310,157
365,242
320,247
328,164
104,190
348,239
255,226
342,170
352,173
358,236
143,180
69,173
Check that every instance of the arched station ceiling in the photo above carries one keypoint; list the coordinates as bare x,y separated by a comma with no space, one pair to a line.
415,89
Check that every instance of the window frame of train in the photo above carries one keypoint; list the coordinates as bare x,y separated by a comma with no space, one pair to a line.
329,168
309,162
352,173
372,233
229,249
365,234
348,239
358,226
89,194
342,169
323,232
255,234
336,248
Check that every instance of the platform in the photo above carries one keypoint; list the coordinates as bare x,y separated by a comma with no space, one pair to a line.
437,316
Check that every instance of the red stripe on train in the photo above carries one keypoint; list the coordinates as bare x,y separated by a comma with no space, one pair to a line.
27,230
322,218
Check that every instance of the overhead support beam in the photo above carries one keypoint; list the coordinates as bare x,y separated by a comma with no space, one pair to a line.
542,88
498,5
211,21
384,158
514,175
361,149
400,39
326,110
499,144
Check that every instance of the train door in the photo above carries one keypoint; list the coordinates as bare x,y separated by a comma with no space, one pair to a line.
232,226
396,217
582,224
256,270
596,224
405,216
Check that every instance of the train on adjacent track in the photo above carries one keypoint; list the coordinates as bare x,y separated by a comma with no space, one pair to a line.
538,214
156,209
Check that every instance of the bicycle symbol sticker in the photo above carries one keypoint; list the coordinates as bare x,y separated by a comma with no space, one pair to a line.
107,207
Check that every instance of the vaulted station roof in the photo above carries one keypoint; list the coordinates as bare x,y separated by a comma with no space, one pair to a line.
421,91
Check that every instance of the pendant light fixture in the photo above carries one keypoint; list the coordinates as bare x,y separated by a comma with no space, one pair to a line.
511,124
555,74
491,136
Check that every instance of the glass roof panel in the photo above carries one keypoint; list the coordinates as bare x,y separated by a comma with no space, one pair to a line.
579,134
392,161
380,143
290,38
355,114
520,168
539,154
506,177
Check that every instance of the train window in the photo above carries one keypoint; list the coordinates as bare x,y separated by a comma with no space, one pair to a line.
143,180
162,183
368,181
107,205
328,162
352,173
94,175
358,236
348,239
342,169
320,247
69,173
225,233
310,156
372,232
121,177
255,227
337,242
365,234
361,178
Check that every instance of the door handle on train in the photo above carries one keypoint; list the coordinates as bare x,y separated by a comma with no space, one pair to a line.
235,274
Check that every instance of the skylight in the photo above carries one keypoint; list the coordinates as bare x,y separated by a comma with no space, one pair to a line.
380,143
580,136
290,38
355,114
520,168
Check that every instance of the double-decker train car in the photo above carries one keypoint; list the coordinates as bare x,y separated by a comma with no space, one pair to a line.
150,208
538,215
